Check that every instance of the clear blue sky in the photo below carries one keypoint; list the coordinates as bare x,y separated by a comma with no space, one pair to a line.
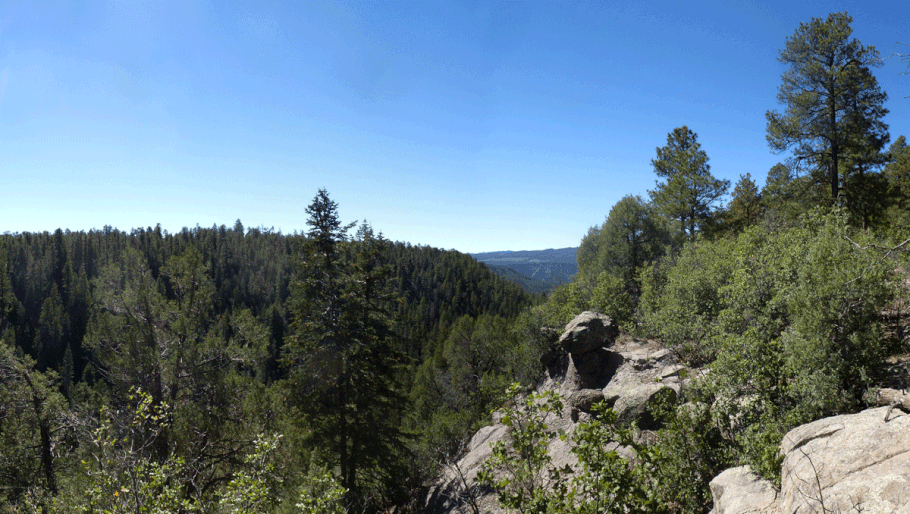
477,126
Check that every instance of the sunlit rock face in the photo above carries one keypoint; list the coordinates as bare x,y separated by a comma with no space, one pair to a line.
849,463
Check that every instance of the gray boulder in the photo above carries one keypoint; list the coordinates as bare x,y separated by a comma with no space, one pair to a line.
741,491
583,401
849,462
588,331
633,400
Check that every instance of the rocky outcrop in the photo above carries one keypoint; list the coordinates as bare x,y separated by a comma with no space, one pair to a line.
591,364
635,400
591,370
634,375
457,489
849,463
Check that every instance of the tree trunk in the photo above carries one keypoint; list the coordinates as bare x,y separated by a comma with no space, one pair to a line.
47,459
835,149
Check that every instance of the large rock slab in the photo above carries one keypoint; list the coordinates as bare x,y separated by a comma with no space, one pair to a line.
741,491
457,489
588,331
850,462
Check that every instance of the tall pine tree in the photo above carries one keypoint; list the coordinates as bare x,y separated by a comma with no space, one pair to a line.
834,113
344,365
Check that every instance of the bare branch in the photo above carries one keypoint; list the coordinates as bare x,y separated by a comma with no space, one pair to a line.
888,252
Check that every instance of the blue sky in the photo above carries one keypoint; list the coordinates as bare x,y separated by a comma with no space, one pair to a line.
477,126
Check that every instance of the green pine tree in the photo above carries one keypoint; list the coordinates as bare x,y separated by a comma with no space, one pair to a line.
690,192
344,363
834,107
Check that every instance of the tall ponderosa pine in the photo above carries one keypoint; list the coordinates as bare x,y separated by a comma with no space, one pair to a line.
834,107
690,191
344,365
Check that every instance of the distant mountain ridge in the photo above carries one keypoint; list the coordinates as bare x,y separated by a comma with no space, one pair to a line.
527,283
552,267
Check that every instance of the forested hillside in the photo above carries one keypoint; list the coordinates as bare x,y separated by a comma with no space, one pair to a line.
791,301
174,362
527,283
553,267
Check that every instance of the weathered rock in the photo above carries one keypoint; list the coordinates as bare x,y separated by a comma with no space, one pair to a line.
671,371
588,331
591,370
633,400
587,376
664,356
741,491
582,401
893,398
457,488
638,359
848,462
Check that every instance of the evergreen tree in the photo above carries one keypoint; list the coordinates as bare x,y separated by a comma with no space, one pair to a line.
631,236
53,324
690,191
897,173
745,207
31,414
834,107
344,363
66,374
8,302
785,196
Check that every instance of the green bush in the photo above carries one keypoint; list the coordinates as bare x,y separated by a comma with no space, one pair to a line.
682,297
790,320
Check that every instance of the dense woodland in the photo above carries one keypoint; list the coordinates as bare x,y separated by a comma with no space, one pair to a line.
243,370
185,352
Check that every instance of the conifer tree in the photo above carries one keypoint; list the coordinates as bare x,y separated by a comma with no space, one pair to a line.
746,205
897,173
344,367
631,237
690,191
53,324
834,107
